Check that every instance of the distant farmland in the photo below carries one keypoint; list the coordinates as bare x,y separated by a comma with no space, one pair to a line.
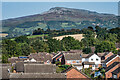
3,34
76,36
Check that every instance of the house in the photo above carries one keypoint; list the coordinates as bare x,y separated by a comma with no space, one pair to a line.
73,73
110,60
57,57
116,73
41,56
111,68
17,59
87,64
37,76
36,71
105,55
59,54
91,60
73,58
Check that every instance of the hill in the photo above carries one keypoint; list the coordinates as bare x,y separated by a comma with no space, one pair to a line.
58,18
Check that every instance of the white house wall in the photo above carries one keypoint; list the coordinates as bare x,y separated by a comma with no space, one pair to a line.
71,61
86,66
85,59
94,57
79,67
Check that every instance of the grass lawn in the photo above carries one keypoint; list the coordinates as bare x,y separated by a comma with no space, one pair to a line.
35,36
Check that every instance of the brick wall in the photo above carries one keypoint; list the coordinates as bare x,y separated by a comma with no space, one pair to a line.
117,59
109,74
118,75
108,55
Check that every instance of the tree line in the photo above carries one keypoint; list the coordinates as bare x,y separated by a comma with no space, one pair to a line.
101,38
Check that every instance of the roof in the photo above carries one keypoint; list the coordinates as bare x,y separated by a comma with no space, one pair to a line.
116,71
93,49
89,55
117,45
112,65
58,54
4,74
37,75
101,54
73,51
39,68
77,64
41,56
88,63
15,59
84,55
110,58
19,66
72,56
72,67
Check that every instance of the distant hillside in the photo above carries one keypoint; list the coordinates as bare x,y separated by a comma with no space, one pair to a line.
58,18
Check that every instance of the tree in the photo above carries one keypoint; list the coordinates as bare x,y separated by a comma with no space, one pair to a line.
87,50
63,60
10,48
70,43
40,46
55,45
22,39
5,58
25,49
105,46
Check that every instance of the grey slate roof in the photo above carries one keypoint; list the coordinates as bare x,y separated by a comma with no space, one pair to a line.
109,58
39,68
89,63
4,71
19,66
116,71
89,55
112,65
15,59
41,56
72,56
84,55
37,75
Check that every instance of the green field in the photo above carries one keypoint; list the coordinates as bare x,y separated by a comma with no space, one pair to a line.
35,36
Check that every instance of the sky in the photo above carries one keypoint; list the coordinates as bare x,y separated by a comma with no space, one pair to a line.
19,9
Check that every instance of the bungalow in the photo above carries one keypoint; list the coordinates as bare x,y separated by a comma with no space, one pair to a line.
36,71
41,56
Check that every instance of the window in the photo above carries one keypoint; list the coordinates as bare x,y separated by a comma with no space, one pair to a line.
96,59
91,59
77,61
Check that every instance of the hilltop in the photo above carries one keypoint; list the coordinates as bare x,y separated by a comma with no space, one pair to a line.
58,18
